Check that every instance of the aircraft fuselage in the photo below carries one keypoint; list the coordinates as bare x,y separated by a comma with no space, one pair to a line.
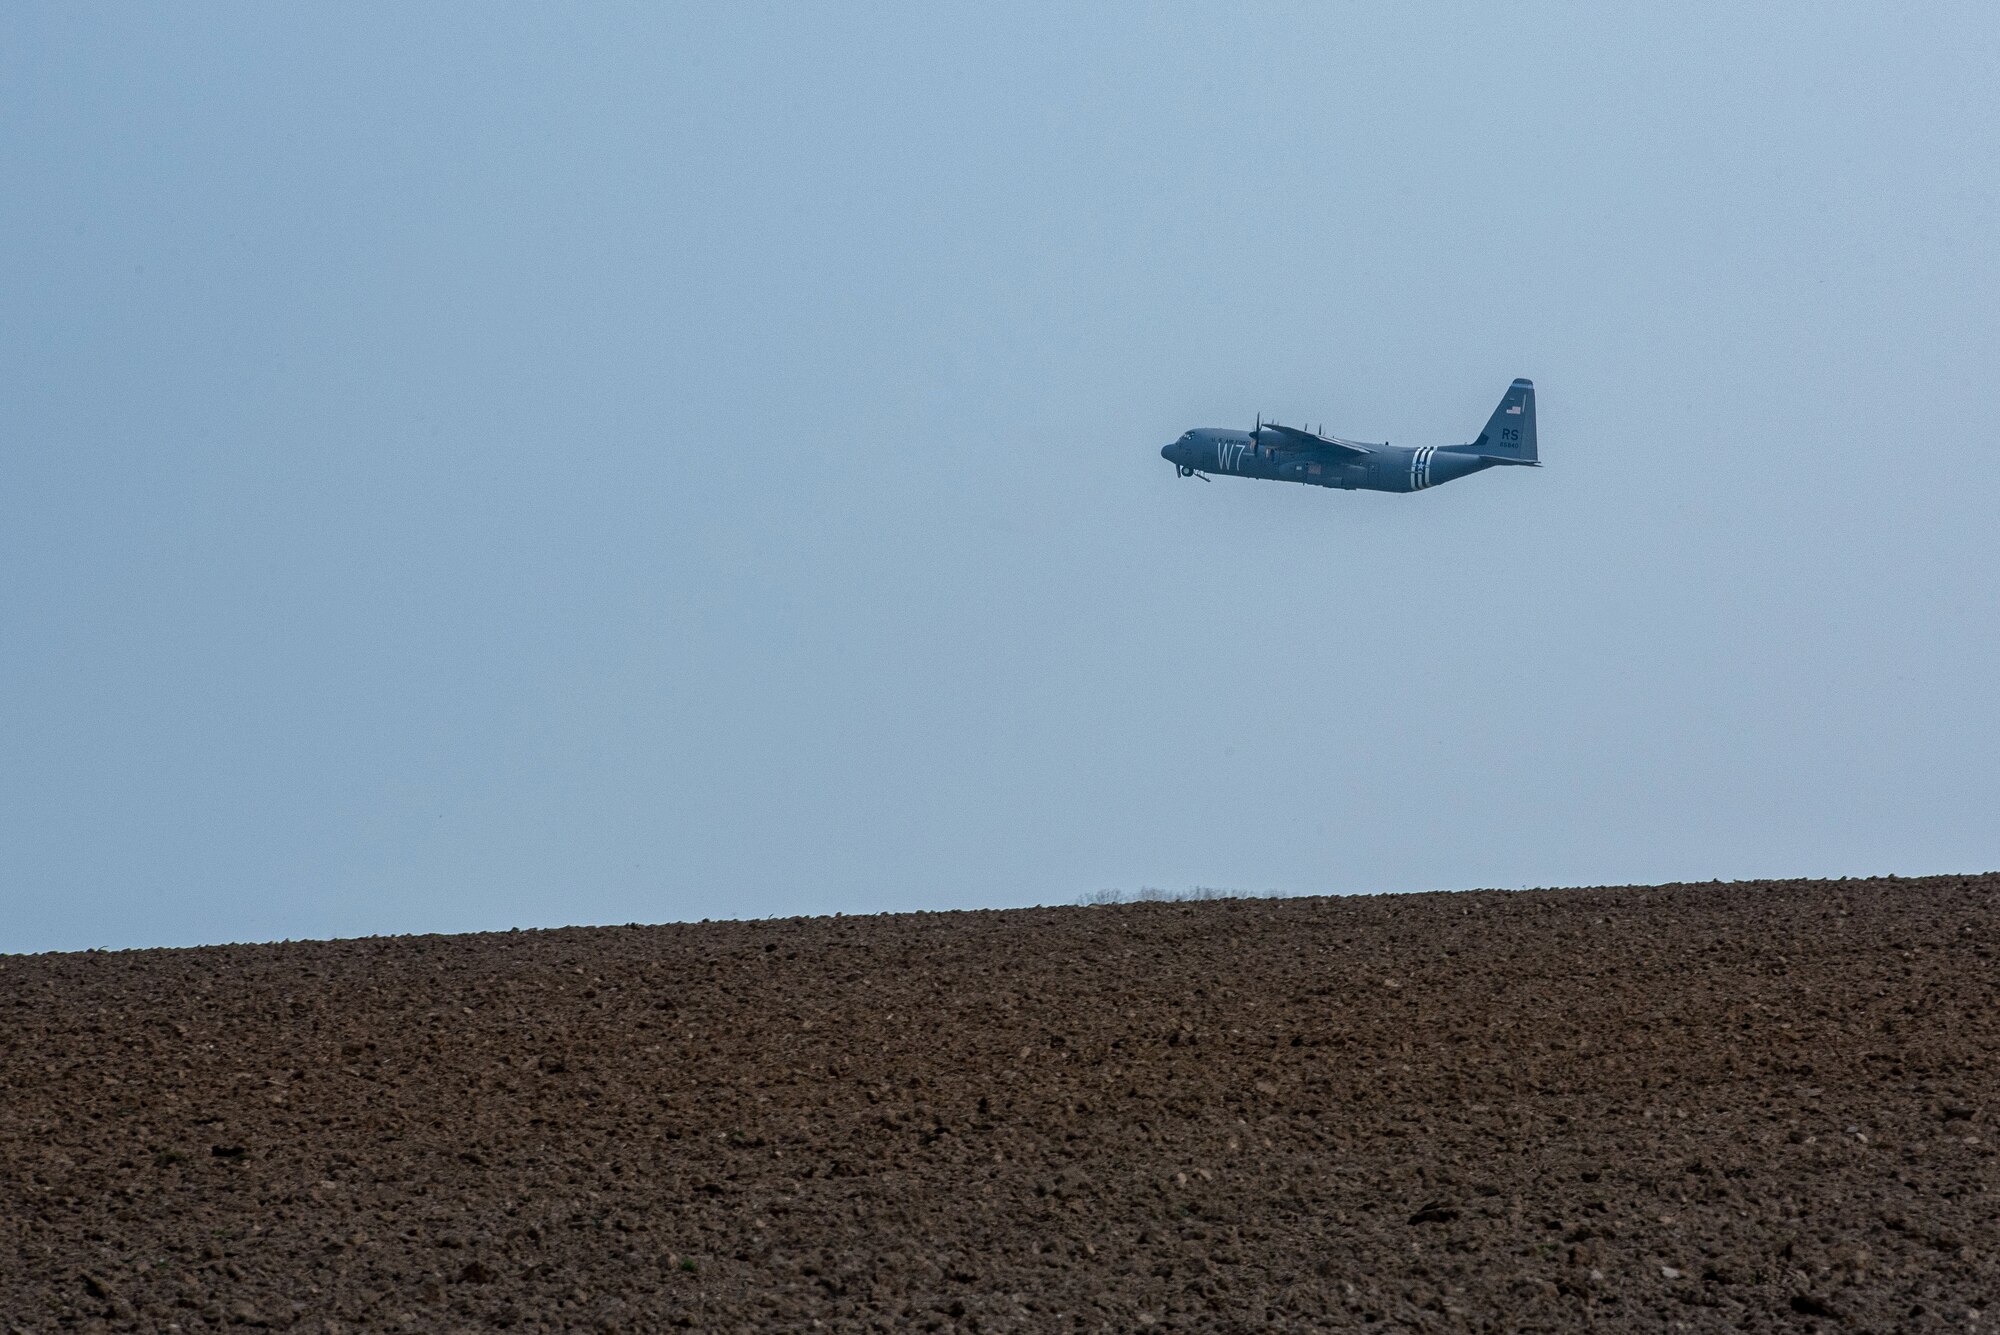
1385,468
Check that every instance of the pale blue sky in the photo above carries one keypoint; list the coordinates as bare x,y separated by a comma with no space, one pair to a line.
469,467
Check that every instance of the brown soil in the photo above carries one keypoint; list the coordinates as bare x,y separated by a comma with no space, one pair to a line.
1755,1106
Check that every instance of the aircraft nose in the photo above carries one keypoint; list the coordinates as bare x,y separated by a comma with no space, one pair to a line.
1167,453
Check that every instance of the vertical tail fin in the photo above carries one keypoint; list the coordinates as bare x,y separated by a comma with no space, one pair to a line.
1510,432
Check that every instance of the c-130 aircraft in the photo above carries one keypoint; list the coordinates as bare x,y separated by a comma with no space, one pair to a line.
1292,454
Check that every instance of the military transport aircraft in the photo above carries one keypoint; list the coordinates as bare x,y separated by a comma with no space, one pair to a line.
1293,454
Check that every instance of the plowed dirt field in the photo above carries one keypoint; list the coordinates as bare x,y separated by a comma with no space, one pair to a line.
1736,1107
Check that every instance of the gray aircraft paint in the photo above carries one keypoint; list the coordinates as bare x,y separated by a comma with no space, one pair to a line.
1288,454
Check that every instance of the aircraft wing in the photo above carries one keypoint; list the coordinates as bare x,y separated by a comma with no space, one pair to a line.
1291,438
